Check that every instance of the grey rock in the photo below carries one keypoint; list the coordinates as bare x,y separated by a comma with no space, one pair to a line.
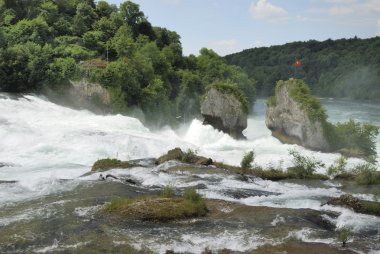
88,91
290,123
224,112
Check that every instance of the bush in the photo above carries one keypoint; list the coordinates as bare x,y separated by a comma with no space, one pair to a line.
338,167
366,174
304,166
192,195
167,192
188,156
246,162
357,137
343,235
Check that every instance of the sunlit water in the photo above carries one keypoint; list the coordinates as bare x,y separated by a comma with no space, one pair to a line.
41,143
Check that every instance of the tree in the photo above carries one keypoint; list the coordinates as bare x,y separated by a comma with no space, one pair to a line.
123,42
131,14
83,19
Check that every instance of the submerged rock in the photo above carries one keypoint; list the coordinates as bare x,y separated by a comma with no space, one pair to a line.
224,112
292,120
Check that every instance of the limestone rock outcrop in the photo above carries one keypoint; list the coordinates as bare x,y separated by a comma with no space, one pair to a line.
90,91
224,112
290,121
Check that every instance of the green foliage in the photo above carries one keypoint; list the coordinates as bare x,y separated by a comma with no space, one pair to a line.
45,43
356,136
246,162
339,167
188,156
304,166
366,174
167,192
343,234
191,194
340,68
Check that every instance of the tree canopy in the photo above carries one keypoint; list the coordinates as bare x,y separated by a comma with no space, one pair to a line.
46,43
335,68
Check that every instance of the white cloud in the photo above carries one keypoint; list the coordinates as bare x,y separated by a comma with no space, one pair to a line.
224,47
262,9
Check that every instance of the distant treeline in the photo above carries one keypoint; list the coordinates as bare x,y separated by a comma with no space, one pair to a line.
44,43
335,68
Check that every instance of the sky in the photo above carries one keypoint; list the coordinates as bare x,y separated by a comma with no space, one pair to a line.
229,26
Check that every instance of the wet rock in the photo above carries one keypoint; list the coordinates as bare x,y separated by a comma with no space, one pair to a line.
107,164
246,193
185,157
290,121
5,182
174,154
359,206
224,112
85,90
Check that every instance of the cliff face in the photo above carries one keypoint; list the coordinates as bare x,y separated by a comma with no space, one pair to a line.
290,122
90,91
224,112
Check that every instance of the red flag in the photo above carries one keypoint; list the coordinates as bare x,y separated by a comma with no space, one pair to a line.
297,63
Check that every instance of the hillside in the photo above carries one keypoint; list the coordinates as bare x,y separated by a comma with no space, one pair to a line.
335,68
46,43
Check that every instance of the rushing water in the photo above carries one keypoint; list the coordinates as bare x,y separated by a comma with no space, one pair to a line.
42,143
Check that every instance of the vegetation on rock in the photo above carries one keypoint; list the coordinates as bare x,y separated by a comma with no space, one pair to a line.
246,162
352,138
160,209
106,164
359,206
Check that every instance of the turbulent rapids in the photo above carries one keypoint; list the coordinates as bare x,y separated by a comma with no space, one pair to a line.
47,205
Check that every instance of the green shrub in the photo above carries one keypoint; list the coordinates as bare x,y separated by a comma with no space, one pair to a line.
366,174
343,235
304,166
246,162
360,137
271,101
188,156
167,192
338,167
117,203
192,195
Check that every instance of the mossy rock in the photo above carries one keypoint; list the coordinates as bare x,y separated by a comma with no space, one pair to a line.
174,154
157,209
359,206
106,164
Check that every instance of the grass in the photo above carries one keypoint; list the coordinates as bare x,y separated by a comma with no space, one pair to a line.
160,209
366,174
106,164
246,162
343,235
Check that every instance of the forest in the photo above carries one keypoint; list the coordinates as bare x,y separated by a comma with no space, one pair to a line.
46,43
345,68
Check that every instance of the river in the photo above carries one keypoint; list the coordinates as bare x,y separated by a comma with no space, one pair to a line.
45,148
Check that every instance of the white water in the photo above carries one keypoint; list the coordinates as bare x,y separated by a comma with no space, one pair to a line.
41,142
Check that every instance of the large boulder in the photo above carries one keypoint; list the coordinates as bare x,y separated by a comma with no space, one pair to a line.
86,90
225,112
296,117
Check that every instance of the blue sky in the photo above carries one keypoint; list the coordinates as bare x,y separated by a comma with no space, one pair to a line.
229,26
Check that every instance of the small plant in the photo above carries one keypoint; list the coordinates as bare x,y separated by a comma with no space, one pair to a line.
366,174
192,195
188,156
167,192
338,167
246,162
303,166
343,234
